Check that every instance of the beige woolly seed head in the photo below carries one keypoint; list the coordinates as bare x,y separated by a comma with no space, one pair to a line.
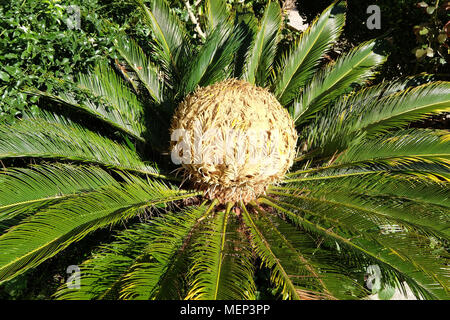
233,139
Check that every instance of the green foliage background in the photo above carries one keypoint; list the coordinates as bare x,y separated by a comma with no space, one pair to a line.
37,49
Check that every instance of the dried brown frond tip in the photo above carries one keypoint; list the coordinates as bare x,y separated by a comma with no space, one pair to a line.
233,139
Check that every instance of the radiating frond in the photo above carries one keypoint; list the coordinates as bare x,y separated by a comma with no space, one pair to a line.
104,83
27,190
102,273
157,272
168,31
374,110
332,129
401,147
264,249
216,13
101,111
145,261
142,66
52,229
260,57
222,256
421,267
408,213
297,67
399,109
378,183
299,267
419,152
349,70
54,137
212,63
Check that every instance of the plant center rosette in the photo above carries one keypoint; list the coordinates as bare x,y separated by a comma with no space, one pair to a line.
233,139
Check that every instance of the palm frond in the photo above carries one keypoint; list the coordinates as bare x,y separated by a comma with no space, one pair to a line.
168,32
349,70
264,249
157,273
260,56
51,136
104,83
104,270
216,13
411,214
315,270
373,111
417,152
27,190
297,67
144,262
142,66
335,128
100,111
402,146
399,109
420,266
378,183
52,229
212,62
222,267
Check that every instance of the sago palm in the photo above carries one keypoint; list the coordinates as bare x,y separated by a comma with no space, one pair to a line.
349,185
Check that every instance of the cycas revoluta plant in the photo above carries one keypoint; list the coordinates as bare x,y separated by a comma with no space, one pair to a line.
364,188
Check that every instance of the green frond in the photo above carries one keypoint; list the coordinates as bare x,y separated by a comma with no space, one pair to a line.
53,228
212,63
103,271
349,70
104,83
294,250
27,190
260,57
315,270
269,254
222,256
420,266
120,269
143,262
142,66
399,147
410,214
157,273
374,110
399,109
216,13
297,67
377,183
334,130
50,136
422,153
100,111
168,31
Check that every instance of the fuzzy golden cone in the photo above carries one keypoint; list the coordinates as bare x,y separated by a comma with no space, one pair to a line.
233,139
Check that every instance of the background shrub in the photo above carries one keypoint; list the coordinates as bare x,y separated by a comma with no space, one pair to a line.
38,48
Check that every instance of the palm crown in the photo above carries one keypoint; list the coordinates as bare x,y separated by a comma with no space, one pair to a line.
364,189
